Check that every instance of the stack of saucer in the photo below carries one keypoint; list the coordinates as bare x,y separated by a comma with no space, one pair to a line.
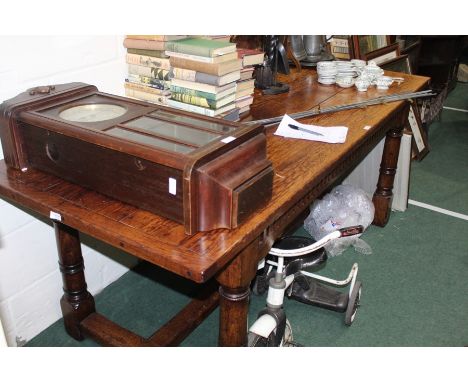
327,71
345,69
346,73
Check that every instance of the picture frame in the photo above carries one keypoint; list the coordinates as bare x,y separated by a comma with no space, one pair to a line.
400,64
365,44
382,55
412,47
420,143
341,47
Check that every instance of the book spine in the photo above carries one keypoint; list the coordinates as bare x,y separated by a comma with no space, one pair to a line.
156,37
151,62
196,50
194,100
148,52
207,78
209,60
193,92
149,81
160,74
194,65
146,88
194,76
153,37
154,98
195,86
185,74
191,108
144,44
214,69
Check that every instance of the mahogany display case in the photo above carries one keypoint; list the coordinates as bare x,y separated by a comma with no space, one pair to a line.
202,172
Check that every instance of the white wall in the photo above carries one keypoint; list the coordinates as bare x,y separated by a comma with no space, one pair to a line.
30,283
366,174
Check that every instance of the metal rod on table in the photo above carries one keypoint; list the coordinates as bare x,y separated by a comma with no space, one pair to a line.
356,105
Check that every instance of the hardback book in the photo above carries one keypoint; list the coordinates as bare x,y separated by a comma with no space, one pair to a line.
220,37
132,43
207,95
146,88
243,93
192,75
204,102
201,47
246,84
244,101
218,69
148,52
230,115
156,37
151,62
148,81
250,56
210,60
199,109
246,73
145,96
202,87
161,74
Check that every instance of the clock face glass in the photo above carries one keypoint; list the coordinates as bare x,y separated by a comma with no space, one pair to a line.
92,112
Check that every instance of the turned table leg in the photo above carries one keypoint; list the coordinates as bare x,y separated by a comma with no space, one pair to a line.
234,292
233,313
383,195
77,303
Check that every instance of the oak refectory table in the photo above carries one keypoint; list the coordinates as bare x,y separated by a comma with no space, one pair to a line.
224,260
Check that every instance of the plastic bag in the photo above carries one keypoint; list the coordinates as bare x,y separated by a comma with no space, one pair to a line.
344,206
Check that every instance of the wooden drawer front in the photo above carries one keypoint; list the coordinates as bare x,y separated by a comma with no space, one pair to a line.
251,195
122,176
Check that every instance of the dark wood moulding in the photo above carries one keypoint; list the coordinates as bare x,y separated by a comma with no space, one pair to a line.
202,172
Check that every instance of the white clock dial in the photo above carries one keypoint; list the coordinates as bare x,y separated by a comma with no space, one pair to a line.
92,112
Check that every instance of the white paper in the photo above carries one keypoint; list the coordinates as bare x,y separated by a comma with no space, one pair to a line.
55,216
333,134
228,139
172,186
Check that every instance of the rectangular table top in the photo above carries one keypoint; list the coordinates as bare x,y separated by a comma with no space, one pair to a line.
299,166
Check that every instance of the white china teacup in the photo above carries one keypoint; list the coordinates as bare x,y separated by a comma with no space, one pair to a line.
383,82
362,84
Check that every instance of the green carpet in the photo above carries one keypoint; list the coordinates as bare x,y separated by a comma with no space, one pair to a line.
414,284
441,178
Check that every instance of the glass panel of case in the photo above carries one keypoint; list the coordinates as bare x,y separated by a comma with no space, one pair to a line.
173,131
216,127
151,141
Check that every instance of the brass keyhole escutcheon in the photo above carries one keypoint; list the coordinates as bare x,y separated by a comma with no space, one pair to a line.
52,152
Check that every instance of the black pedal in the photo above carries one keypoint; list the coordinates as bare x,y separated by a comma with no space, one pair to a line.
319,295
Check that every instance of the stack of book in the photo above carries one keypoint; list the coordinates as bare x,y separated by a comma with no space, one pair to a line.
205,74
219,37
149,69
246,82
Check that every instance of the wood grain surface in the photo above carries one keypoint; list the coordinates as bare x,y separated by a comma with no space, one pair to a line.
303,171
